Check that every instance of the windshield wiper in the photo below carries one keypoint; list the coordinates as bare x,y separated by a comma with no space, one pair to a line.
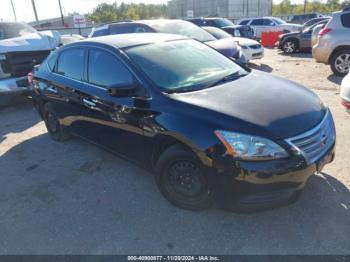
228,78
180,90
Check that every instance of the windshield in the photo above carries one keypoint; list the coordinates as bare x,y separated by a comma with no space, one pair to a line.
217,33
279,21
182,64
183,28
11,30
224,22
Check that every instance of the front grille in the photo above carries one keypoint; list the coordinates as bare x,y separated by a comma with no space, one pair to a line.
21,63
257,46
315,143
257,54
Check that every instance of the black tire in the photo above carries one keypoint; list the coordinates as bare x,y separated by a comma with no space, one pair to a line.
54,128
181,179
290,46
337,67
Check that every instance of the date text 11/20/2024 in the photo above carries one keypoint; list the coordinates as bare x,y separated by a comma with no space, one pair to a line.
173,258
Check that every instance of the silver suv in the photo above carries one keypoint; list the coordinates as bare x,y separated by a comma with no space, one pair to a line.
333,46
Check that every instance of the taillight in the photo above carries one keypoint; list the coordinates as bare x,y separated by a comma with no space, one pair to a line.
30,78
324,31
346,104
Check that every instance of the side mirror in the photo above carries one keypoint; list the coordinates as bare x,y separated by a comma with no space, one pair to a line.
122,89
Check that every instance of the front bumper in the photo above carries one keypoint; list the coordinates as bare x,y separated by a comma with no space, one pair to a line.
14,86
253,185
251,54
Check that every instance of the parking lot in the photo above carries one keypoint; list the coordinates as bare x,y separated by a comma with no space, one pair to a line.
74,198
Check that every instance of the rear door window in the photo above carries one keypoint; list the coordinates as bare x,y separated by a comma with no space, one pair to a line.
101,32
345,20
71,63
104,69
258,22
244,22
268,22
210,22
127,29
51,62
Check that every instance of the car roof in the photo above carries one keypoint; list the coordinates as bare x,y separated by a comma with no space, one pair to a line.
142,22
259,17
129,40
162,21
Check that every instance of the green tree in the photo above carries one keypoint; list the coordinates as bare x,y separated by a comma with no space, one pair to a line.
333,5
105,13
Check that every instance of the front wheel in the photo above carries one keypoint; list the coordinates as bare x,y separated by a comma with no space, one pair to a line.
340,62
289,47
54,128
181,179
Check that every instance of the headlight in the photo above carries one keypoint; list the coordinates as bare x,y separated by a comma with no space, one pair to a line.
250,147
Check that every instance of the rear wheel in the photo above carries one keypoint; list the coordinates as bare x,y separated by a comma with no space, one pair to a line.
340,62
54,128
289,47
181,178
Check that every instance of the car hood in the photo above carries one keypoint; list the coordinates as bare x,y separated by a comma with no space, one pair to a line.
225,46
245,41
260,104
30,42
345,88
233,26
294,25
296,34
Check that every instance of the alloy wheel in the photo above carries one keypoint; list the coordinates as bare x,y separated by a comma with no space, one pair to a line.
342,63
289,47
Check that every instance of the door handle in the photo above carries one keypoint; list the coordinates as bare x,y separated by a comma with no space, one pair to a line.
52,90
88,102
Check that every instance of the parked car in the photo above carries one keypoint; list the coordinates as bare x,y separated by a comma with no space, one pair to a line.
315,32
302,18
269,24
333,45
315,21
250,48
226,25
345,92
225,46
21,47
298,41
70,38
207,128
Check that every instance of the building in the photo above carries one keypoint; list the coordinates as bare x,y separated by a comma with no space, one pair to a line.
232,9
68,28
56,22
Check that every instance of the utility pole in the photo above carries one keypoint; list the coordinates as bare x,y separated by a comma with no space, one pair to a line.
62,18
305,2
14,12
35,13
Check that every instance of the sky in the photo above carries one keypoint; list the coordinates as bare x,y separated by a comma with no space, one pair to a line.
50,8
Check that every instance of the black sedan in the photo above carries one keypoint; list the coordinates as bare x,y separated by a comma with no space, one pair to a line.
207,128
298,41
